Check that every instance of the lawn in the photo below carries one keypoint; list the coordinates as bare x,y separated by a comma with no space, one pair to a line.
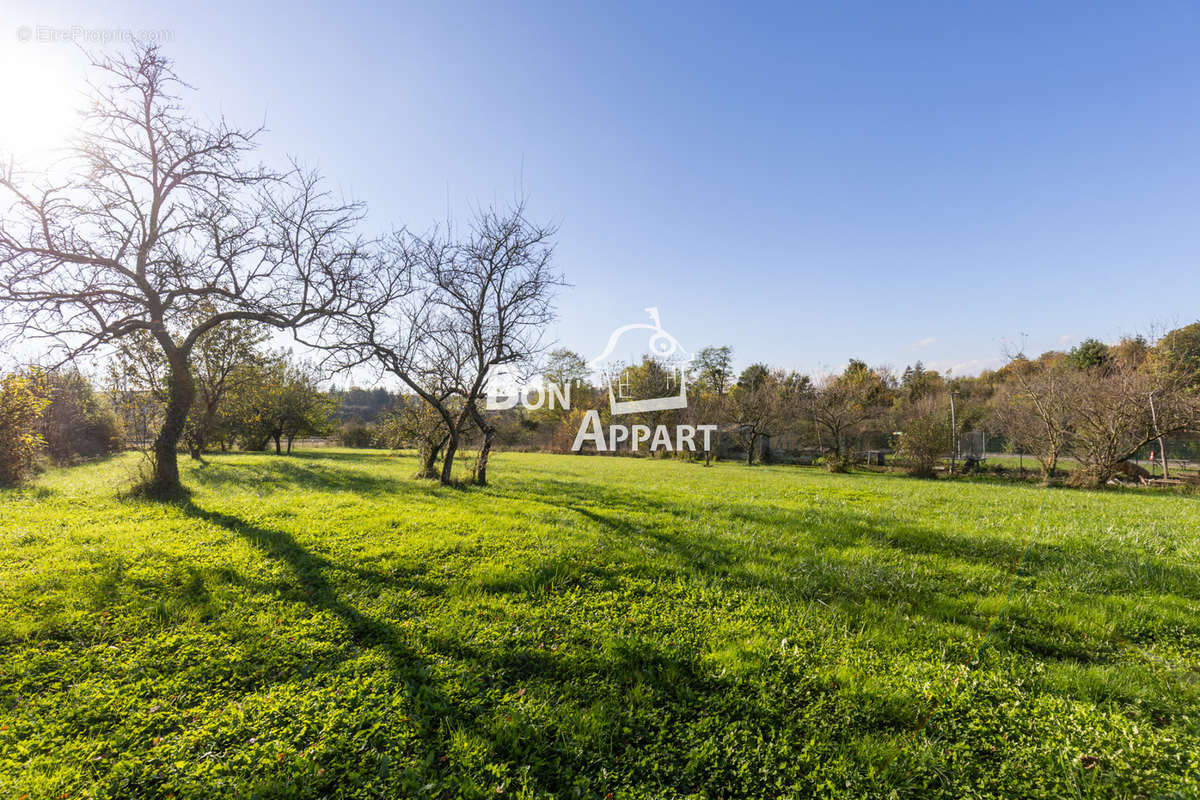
323,626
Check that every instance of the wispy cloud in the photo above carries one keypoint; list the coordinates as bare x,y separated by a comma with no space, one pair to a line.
1066,337
972,366
928,340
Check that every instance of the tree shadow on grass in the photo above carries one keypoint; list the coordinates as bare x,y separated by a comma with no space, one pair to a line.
342,456
666,678
430,706
801,557
843,527
672,678
1032,554
285,474
602,706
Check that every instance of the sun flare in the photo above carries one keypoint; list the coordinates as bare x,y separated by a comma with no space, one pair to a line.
42,95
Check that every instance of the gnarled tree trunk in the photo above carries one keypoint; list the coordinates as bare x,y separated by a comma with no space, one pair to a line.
448,459
485,452
198,438
455,428
429,457
180,393
485,449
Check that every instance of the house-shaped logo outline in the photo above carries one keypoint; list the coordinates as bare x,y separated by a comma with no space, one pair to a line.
662,345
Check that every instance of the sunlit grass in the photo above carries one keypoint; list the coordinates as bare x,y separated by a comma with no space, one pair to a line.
323,625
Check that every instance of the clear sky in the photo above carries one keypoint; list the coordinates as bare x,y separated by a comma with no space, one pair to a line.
805,183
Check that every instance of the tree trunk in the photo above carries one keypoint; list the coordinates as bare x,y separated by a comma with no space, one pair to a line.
289,443
479,472
750,445
199,436
429,456
455,430
180,394
485,451
275,436
448,459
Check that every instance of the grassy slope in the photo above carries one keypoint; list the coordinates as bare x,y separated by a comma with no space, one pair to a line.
323,626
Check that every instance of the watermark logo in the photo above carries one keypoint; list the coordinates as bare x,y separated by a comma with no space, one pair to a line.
664,347
55,34
505,390
658,384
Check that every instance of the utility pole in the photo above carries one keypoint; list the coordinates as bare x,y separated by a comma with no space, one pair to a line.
1162,449
953,433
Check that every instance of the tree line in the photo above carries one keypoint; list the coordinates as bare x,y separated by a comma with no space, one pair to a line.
1097,404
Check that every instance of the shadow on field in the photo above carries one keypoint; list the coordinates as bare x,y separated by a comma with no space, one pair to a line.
600,681
430,707
290,472
603,701
948,578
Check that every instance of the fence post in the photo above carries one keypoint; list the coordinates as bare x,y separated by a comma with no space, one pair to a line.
953,433
1162,449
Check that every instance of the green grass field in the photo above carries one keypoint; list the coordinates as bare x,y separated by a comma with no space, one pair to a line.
324,626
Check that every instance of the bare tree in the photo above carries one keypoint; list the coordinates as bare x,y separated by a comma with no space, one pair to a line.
443,313
761,404
1112,417
399,327
162,214
1032,410
840,404
498,293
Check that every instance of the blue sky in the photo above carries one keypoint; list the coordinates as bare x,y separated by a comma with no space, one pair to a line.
805,183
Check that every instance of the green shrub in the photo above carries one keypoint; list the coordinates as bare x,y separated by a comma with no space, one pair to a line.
78,422
22,399
926,435
839,462
358,434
